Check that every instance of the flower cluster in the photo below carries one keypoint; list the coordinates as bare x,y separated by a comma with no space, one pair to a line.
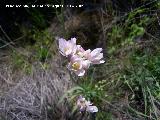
85,105
79,59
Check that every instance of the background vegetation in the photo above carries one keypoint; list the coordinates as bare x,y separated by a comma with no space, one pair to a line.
34,77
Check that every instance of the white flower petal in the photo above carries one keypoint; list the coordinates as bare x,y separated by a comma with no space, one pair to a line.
87,54
62,45
75,58
92,109
68,52
88,103
80,72
80,51
98,57
67,47
73,40
86,64
102,61
74,49
96,51
98,62
62,42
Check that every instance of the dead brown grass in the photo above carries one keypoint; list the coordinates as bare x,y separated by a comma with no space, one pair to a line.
35,96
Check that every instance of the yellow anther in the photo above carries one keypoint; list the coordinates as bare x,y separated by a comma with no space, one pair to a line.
76,66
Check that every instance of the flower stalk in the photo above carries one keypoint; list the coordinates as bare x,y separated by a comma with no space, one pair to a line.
79,62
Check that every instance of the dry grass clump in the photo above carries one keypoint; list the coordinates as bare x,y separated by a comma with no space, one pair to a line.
36,96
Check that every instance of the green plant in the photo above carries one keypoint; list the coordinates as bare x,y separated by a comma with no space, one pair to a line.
88,89
43,41
20,62
142,79
104,116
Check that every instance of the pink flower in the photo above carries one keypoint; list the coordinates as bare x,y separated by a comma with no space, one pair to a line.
76,65
67,47
95,56
81,103
79,59
85,105
80,51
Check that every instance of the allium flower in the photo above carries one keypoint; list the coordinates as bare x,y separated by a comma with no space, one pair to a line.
85,105
78,65
80,51
79,59
95,56
81,103
90,108
67,47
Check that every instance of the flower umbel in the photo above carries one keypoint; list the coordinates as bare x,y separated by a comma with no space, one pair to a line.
79,59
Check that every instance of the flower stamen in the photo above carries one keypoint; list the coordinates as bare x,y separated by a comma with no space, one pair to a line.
76,66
